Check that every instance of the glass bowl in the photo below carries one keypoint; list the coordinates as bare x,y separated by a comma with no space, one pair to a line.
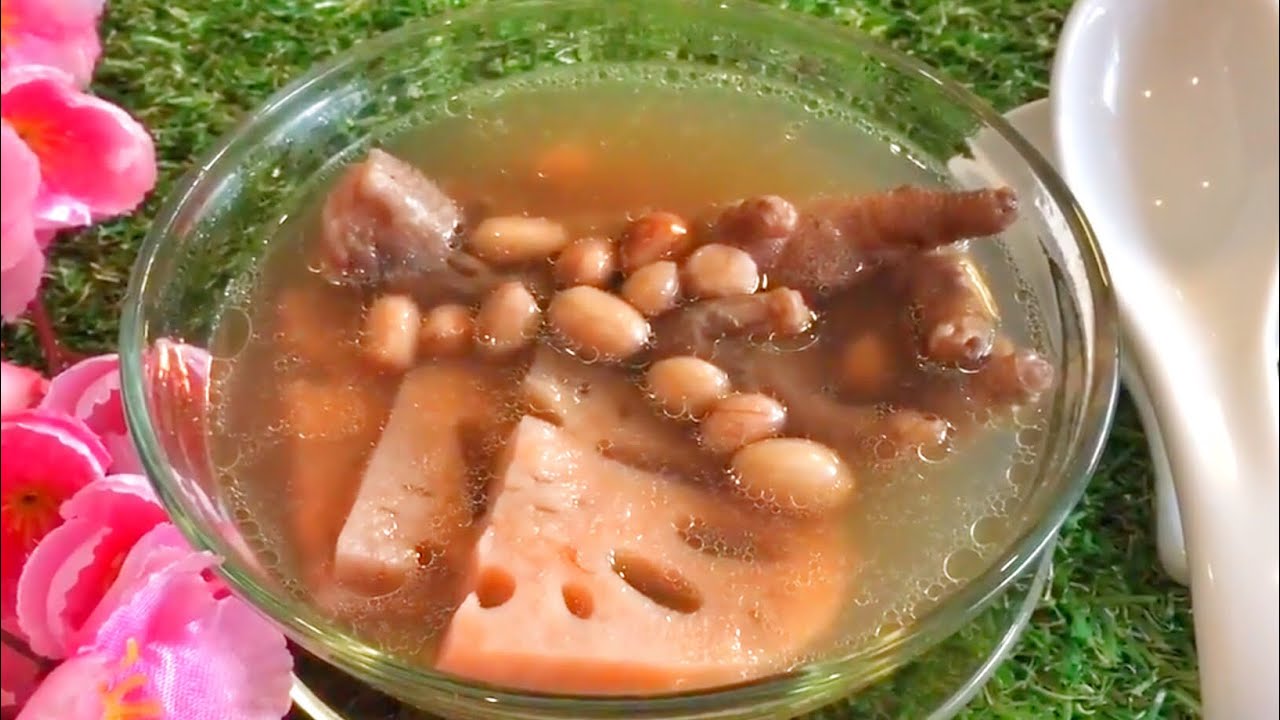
217,224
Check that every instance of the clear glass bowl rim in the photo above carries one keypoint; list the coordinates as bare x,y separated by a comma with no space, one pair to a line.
363,660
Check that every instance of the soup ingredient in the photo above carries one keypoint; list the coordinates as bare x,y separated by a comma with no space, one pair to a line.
508,319
597,325
685,386
795,474
652,237
864,431
957,315
313,327
516,240
603,408
694,329
446,330
413,506
688,592
330,426
1014,377
654,288
741,419
390,338
383,218
868,366
716,270
587,261
838,242
759,225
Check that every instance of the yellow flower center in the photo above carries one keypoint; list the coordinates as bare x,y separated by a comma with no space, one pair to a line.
38,133
116,703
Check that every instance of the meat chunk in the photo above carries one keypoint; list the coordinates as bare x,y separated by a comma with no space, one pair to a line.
1013,377
957,315
759,225
413,507
688,592
797,379
694,329
384,218
837,241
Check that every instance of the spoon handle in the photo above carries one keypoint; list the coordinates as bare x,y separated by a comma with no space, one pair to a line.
1220,431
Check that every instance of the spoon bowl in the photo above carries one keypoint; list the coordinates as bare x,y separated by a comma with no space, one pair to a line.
1166,122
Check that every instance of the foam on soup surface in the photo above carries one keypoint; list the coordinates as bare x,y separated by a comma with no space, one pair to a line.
624,387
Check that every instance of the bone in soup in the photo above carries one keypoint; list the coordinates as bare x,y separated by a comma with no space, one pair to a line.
631,390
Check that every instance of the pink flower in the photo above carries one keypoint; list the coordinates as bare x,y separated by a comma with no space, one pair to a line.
90,390
82,561
57,33
45,458
21,259
17,676
95,160
20,388
172,650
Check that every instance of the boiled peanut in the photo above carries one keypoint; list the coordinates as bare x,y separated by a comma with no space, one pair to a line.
716,270
654,288
866,365
390,338
740,420
515,240
597,325
508,319
587,261
652,237
793,473
686,385
446,330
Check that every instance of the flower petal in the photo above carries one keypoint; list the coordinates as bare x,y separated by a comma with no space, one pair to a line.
45,458
69,386
70,572
67,692
20,388
162,551
47,578
19,182
19,284
61,34
90,390
17,676
95,160
114,496
204,659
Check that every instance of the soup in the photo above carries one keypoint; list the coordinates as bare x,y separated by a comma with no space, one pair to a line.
627,388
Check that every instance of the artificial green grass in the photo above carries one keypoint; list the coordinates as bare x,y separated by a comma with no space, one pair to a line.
1112,636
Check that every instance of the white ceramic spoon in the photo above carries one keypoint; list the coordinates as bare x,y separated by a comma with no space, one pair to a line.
1035,123
1166,120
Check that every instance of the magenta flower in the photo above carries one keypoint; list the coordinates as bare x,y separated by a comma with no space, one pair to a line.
18,675
90,391
20,388
172,650
45,458
21,258
95,160
80,562
62,34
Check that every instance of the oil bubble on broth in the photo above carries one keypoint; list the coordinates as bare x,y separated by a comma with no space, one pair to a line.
300,414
